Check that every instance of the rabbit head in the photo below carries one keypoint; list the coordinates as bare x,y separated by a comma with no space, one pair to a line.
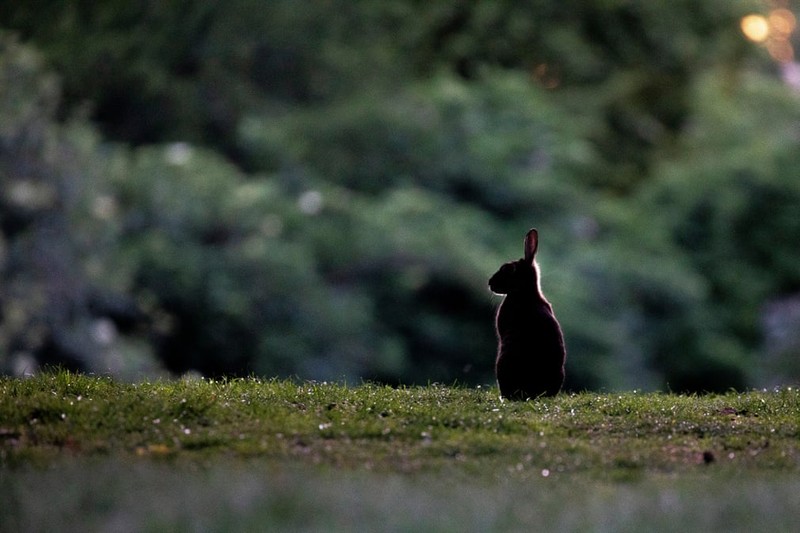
521,275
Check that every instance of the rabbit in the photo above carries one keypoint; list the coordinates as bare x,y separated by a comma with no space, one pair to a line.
530,349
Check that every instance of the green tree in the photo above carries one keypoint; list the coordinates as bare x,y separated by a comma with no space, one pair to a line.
324,191
52,237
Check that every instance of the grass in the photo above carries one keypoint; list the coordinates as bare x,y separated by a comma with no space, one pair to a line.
90,453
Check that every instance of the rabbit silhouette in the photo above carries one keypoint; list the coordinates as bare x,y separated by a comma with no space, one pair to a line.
530,343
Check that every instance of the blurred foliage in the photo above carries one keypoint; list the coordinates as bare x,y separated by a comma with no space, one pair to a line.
248,187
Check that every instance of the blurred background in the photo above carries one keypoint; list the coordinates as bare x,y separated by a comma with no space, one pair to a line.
321,189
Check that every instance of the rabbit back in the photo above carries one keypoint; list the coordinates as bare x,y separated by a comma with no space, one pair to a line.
531,354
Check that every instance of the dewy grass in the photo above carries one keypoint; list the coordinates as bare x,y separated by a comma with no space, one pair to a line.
52,416
244,452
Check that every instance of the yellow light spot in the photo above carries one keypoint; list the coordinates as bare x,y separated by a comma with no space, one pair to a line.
755,28
782,22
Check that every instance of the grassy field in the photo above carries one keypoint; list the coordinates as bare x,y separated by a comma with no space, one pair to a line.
93,454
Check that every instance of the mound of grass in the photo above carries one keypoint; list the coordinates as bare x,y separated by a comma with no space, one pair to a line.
396,429
92,453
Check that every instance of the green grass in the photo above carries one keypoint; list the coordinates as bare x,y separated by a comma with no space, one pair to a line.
88,453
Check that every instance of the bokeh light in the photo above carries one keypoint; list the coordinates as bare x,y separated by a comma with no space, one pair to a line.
774,31
782,22
781,50
755,28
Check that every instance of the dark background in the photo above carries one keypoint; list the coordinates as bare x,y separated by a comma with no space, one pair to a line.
321,189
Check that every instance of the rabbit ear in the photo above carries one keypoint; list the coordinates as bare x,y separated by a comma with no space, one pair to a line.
531,243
